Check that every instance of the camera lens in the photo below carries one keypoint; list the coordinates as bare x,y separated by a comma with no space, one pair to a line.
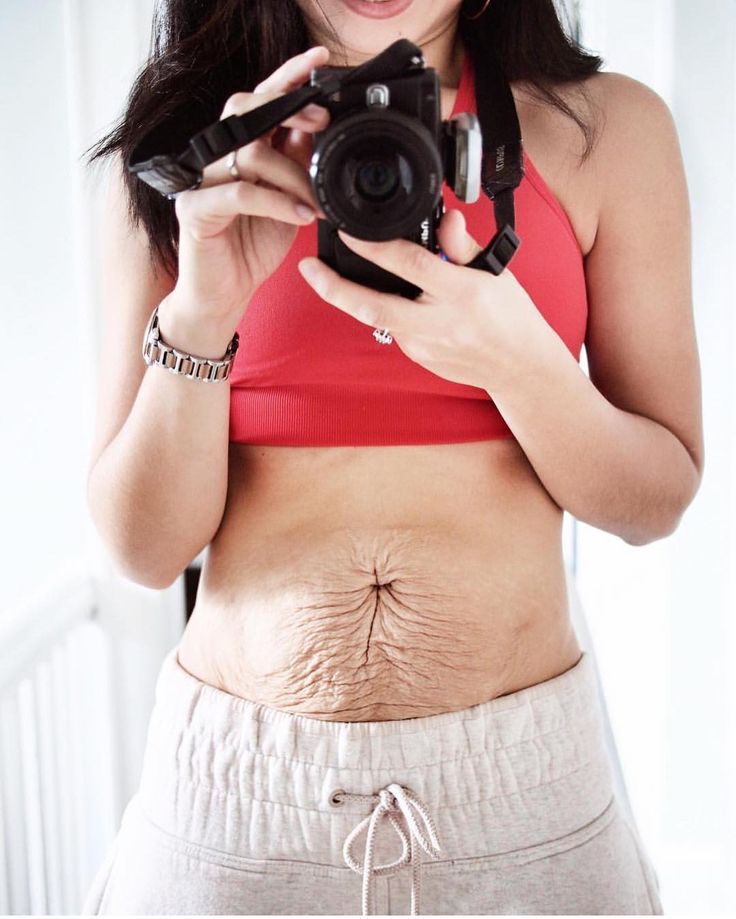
376,178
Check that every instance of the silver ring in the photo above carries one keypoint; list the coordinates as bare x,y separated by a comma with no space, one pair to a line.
382,336
232,165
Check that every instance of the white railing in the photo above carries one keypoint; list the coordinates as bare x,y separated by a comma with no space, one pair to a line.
57,777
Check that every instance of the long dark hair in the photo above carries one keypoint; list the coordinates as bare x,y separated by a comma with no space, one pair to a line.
202,51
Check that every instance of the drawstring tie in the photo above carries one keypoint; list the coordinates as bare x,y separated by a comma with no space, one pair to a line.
392,800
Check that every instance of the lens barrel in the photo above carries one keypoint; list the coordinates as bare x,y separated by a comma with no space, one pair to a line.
377,175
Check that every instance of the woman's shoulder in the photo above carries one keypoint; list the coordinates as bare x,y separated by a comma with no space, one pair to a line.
618,101
579,167
599,95
615,108
616,88
632,120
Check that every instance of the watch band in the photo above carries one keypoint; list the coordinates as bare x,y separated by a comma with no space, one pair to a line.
156,351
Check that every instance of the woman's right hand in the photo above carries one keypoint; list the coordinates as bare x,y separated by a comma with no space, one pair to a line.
234,234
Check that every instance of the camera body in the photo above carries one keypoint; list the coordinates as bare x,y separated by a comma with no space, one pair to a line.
377,169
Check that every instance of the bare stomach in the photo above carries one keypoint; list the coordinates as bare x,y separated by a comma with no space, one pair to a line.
374,583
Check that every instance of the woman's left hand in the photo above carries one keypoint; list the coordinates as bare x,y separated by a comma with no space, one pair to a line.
467,326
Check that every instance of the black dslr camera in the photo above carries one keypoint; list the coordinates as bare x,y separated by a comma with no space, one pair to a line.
378,168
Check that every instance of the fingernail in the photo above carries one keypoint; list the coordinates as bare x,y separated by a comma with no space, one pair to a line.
305,212
308,269
313,112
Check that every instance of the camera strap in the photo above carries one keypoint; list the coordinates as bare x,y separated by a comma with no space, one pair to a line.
170,173
153,161
502,166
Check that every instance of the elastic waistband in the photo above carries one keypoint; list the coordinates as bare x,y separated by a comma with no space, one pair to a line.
533,736
242,778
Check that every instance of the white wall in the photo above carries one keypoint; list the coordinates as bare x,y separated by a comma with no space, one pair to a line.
44,370
662,616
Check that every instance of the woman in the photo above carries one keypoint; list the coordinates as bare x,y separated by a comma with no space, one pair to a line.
380,686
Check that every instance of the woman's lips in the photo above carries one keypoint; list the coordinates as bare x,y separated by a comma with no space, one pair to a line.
378,10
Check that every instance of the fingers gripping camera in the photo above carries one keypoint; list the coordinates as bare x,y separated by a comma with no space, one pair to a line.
377,169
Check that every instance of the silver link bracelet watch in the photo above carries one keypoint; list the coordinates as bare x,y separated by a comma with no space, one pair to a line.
156,351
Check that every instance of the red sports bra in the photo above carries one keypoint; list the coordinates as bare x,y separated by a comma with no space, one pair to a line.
308,374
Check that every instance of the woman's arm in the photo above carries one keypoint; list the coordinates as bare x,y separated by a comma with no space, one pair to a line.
616,470
622,450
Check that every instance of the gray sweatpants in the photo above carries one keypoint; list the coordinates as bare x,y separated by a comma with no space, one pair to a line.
506,807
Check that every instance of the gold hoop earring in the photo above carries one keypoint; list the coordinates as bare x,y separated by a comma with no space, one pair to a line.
483,9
